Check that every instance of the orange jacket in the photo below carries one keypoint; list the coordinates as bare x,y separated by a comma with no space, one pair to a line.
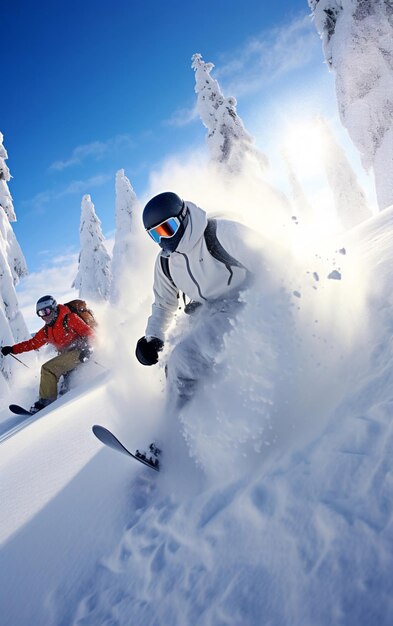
62,334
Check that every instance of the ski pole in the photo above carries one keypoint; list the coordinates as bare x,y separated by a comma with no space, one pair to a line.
97,363
19,361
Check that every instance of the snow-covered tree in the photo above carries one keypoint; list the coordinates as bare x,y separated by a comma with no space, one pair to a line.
127,233
94,275
14,255
302,207
228,141
12,267
12,324
9,277
5,177
350,200
357,40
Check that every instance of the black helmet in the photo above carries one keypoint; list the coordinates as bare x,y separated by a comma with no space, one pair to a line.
161,207
45,303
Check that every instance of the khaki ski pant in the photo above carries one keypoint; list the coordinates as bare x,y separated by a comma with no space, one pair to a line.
53,369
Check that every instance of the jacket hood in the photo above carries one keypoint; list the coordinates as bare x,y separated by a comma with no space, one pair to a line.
197,222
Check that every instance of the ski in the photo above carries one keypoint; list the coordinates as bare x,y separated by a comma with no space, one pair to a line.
109,439
25,419
19,410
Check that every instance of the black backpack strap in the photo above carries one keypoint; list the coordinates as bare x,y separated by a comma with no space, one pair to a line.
164,260
217,250
65,321
165,268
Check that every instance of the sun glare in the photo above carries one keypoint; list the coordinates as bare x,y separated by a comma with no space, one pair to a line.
305,145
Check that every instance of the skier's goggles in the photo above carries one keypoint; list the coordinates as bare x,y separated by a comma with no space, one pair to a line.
165,230
44,312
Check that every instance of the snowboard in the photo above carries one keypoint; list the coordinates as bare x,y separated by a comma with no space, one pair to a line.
19,410
109,439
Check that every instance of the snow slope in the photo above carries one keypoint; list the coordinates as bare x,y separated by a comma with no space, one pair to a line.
281,515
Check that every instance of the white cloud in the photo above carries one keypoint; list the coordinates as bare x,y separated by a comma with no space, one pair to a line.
182,117
95,150
82,186
269,57
43,198
39,201
261,60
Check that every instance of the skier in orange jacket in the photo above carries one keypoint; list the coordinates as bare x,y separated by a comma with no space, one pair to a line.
71,337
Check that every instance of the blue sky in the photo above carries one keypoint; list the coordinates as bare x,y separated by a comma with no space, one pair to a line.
90,87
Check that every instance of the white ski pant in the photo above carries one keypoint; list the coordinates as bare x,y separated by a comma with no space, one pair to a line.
193,358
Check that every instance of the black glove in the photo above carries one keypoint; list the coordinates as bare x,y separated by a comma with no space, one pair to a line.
147,351
6,350
85,354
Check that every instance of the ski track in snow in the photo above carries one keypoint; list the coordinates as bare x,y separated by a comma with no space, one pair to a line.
302,535
251,552
318,528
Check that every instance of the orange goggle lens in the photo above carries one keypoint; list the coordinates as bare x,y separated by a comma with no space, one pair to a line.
165,230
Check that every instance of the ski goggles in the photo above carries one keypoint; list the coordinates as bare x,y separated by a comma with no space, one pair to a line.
45,312
165,230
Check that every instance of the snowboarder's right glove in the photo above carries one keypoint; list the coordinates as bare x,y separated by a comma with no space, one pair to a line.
147,350
6,350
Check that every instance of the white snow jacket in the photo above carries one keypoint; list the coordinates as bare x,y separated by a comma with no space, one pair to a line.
196,272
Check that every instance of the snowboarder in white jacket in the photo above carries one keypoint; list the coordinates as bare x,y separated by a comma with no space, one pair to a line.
211,267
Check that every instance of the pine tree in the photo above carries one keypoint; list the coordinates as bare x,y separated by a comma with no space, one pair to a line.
228,141
5,177
350,200
94,276
15,258
12,324
128,234
357,40
302,207
12,267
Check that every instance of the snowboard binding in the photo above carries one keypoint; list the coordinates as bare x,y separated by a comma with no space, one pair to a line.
150,457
